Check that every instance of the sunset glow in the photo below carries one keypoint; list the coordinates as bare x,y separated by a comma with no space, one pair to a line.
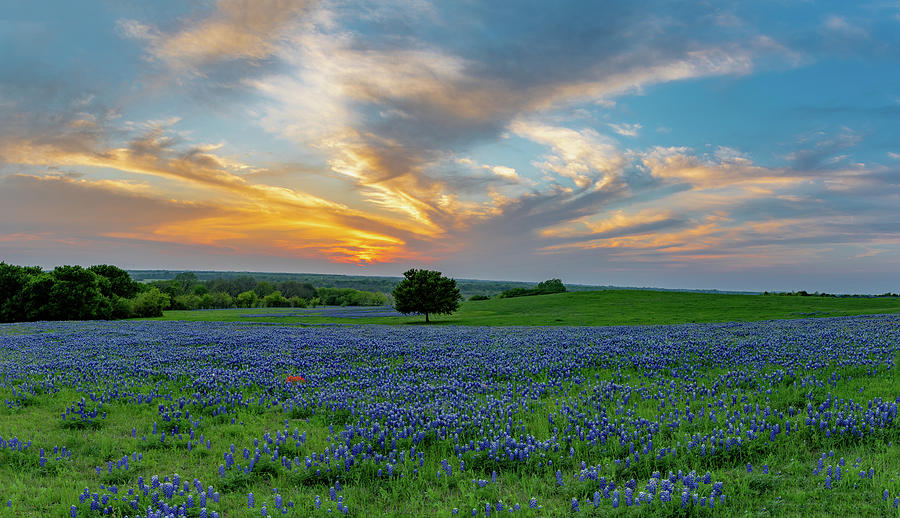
750,146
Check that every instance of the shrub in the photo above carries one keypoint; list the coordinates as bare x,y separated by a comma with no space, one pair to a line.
542,288
247,299
150,303
275,300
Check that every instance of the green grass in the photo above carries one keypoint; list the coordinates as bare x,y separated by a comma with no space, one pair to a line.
595,308
789,489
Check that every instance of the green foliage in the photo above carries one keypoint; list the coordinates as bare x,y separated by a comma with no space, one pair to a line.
542,288
120,308
275,300
189,301
35,297
185,282
220,299
236,282
298,302
551,286
263,288
117,281
479,297
150,303
247,299
75,294
350,297
12,281
426,292
291,289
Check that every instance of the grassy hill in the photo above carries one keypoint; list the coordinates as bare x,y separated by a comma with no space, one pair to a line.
595,308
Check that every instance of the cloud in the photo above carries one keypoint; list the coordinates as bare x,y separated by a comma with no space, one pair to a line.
822,151
388,114
840,26
67,206
434,132
271,218
587,158
626,130
505,172
235,30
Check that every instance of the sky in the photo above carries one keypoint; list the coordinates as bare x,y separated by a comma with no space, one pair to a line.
710,145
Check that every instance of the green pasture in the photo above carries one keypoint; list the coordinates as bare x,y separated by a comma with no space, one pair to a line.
593,308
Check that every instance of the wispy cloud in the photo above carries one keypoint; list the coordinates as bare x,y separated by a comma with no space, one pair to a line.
234,30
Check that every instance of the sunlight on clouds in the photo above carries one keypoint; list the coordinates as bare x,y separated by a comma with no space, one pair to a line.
586,157
698,63
606,223
255,211
417,130
505,172
236,29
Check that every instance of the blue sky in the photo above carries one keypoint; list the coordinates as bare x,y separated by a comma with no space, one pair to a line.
728,145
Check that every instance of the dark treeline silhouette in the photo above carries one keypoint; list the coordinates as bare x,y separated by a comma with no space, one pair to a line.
28,293
187,291
371,283
106,292
804,293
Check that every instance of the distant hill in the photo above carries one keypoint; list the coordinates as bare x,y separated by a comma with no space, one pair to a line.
467,287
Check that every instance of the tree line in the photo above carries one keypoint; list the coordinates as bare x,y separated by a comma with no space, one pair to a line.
542,288
103,291
186,291
106,292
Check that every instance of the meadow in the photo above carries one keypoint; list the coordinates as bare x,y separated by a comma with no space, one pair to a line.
583,308
154,418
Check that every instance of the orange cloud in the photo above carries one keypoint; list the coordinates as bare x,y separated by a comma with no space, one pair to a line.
244,214
236,29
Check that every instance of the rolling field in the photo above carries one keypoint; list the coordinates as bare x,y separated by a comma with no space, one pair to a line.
146,418
585,308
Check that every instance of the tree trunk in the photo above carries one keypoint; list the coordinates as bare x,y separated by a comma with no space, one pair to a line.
426,318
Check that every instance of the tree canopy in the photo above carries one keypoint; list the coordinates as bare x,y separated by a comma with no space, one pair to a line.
542,288
426,292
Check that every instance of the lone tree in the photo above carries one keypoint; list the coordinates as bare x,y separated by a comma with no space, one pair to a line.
426,292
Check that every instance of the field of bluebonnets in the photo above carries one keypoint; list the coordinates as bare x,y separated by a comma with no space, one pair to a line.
160,419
